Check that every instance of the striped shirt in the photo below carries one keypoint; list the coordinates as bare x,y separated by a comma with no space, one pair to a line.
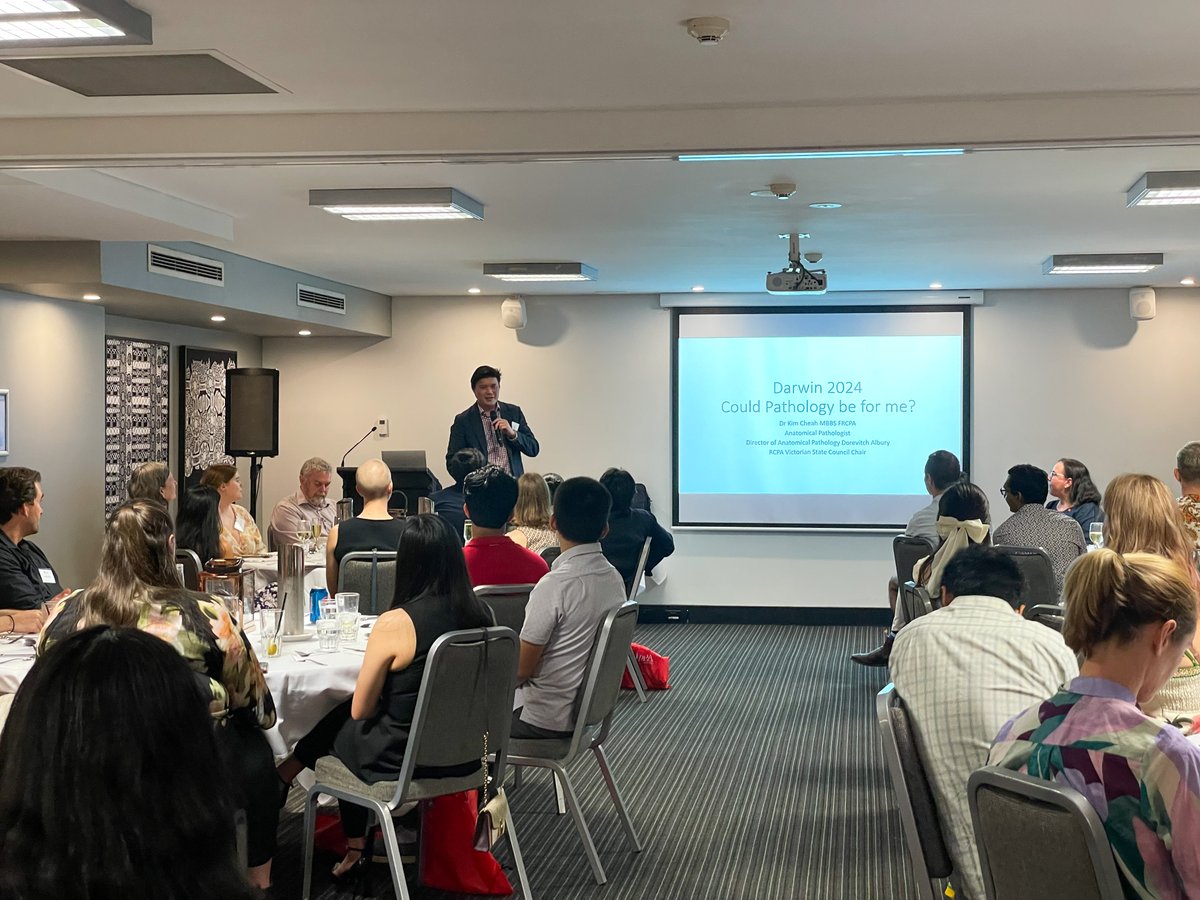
497,453
1035,526
1141,776
963,671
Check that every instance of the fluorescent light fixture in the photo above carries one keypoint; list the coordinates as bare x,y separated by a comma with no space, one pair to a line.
545,271
817,154
72,23
1101,263
397,204
1165,189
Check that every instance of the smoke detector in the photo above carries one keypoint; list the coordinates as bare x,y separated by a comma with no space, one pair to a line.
708,30
780,190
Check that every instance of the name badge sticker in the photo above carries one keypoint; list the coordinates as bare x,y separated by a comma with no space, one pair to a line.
47,576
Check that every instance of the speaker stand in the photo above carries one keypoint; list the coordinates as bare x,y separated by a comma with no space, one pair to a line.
255,475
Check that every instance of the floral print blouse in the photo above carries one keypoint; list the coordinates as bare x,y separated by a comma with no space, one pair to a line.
203,633
244,539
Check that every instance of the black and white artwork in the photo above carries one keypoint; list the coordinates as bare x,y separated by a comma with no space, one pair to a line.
3,422
137,410
202,411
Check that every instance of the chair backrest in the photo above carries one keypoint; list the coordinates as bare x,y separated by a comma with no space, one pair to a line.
915,599
918,810
1037,838
641,568
191,568
372,575
465,692
1038,572
605,667
908,551
1048,614
550,554
507,602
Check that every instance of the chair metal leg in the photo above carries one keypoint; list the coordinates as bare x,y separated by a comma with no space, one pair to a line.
580,825
518,774
559,803
635,675
615,793
309,835
519,861
393,850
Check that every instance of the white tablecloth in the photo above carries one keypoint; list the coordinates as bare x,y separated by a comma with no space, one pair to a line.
262,570
304,689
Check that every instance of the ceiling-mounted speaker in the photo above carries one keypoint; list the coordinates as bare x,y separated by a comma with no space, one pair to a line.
512,313
1142,303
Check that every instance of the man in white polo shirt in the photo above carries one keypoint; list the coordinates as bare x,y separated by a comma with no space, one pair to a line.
565,609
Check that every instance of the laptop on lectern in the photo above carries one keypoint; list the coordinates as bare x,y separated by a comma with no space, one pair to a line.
404,460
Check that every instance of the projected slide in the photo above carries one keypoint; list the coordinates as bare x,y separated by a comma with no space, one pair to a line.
814,418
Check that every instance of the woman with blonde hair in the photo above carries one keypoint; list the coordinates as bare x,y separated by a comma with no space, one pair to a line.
531,515
152,481
1130,617
137,587
1142,516
239,535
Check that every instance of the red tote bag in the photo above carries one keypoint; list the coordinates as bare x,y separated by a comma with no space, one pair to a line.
655,669
449,860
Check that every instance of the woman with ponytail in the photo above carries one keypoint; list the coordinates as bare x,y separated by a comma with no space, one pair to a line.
1129,617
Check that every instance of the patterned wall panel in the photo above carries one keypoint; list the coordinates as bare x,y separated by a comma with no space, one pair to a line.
202,411
137,410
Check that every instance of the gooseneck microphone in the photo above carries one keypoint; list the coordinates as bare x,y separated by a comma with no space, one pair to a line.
374,428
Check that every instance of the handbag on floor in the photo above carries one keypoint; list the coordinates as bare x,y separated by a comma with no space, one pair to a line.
655,669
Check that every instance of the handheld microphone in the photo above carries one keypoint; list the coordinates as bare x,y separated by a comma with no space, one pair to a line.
494,415
374,428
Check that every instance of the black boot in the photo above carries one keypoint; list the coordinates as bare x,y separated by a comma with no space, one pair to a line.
878,656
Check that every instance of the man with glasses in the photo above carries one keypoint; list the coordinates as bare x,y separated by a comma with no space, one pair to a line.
1033,525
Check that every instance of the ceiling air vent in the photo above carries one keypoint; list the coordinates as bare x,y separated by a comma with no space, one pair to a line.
315,298
175,264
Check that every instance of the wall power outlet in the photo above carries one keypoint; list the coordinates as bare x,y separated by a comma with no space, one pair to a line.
382,425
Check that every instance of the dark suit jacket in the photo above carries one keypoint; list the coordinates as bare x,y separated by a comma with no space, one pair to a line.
448,503
467,431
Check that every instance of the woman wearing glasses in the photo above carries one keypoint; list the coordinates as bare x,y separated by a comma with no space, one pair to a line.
1074,494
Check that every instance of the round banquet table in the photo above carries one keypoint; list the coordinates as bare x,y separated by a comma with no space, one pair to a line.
304,689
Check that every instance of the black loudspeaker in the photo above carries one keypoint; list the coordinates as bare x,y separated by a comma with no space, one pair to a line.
252,412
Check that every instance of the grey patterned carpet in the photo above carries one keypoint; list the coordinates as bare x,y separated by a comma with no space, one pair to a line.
757,776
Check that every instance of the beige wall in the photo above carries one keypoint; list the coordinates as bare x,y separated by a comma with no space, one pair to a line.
592,375
52,361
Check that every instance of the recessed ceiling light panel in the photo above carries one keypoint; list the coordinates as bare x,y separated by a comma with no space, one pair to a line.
1165,189
552,271
57,23
1101,263
397,204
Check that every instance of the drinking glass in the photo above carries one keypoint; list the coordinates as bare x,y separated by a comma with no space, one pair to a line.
328,608
327,634
347,602
268,632
1096,533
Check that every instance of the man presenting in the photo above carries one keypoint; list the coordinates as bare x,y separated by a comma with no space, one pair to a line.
497,430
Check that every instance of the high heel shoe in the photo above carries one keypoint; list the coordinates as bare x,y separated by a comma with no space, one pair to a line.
354,868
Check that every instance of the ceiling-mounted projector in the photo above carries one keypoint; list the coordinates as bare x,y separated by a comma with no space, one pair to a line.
796,279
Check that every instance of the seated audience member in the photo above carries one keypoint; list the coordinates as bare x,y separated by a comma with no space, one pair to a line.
1129,618
965,670
1187,473
137,587
1141,517
111,780
153,481
198,525
1033,525
373,528
531,515
941,470
963,520
1074,494
564,611
27,580
448,502
553,481
492,558
294,516
239,534
369,732
628,529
